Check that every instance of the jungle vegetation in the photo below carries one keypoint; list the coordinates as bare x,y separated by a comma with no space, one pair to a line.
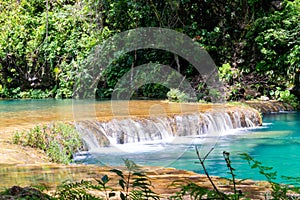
254,43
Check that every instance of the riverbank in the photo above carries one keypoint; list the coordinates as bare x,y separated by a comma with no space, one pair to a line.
267,107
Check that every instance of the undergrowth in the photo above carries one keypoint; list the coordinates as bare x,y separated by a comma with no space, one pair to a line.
58,140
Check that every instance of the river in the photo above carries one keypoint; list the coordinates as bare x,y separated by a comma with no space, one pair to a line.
275,144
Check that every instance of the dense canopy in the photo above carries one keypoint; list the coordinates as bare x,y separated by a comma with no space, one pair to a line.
255,44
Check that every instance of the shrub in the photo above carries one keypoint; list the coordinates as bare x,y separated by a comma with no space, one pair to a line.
285,96
175,95
59,141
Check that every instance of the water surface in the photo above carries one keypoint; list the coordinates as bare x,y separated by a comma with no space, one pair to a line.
276,143
23,113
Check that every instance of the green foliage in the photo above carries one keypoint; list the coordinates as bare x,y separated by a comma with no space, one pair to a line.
232,79
214,95
192,190
225,72
126,64
135,185
202,101
59,141
279,191
198,192
43,43
41,46
175,95
236,194
228,74
276,37
285,96
77,190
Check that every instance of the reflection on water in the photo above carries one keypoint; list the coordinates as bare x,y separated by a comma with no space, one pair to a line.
20,113
48,175
16,114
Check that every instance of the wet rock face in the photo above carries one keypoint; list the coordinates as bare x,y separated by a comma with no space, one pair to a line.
243,117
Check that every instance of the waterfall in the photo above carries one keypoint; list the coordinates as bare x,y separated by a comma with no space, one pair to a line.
164,128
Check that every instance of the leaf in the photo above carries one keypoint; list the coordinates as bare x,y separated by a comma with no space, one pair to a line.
56,70
123,197
99,182
105,179
130,165
122,183
255,165
138,174
118,172
111,194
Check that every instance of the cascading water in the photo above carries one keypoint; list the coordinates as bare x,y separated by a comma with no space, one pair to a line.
165,128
